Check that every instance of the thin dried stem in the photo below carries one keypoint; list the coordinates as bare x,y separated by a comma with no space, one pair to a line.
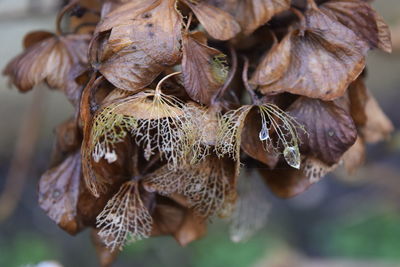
61,14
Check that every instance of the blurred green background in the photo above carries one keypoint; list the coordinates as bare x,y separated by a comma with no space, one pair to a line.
341,221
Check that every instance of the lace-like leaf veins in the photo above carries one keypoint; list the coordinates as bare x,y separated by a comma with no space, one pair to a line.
155,120
273,119
125,219
206,185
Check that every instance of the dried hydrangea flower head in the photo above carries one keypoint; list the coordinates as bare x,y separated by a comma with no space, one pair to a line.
150,152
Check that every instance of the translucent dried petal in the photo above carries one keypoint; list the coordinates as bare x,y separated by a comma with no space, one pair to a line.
251,210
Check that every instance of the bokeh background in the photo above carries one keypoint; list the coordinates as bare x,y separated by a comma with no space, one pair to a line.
341,221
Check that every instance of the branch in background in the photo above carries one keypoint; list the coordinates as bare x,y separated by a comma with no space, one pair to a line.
23,154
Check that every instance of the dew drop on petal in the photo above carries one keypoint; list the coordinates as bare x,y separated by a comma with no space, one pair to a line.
264,133
292,156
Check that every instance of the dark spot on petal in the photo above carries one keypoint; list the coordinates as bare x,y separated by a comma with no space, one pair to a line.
146,15
149,25
56,194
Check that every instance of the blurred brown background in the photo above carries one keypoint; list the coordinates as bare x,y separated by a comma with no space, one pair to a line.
342,221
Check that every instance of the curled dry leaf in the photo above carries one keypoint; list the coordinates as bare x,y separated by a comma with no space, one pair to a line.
362,19
204,68
331,132
251,210
130,57
218,23
318,60
207,185
51,59
125,218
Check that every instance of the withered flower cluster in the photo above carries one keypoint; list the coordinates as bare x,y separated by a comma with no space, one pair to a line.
172,97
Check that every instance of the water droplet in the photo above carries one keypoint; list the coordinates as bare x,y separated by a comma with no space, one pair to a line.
292,156
264,133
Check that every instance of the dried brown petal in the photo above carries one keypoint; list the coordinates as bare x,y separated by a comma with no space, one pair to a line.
362,19
358,97
324,58
253,146
105,256
131,58
286,182
330,128
218,23
35,37
52,60
67,141
378,126
203,68
59,191
315,169
192,228
355,156
274,64
252,14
